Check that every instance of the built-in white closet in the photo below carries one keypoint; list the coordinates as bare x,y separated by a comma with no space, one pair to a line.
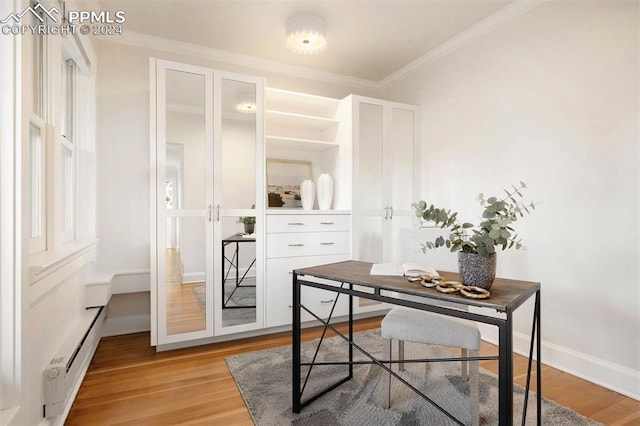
207,171
219,153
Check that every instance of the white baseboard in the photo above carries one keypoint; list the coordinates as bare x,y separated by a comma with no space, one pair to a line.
126,325
596,370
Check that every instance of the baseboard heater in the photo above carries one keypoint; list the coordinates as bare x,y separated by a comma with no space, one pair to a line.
61,375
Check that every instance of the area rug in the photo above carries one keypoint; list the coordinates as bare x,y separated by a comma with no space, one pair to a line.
243,296
264,379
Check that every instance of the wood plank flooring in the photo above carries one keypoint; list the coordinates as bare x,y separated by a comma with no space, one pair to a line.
183,310
128,383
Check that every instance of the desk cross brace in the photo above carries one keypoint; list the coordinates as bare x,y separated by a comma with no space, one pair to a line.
350,363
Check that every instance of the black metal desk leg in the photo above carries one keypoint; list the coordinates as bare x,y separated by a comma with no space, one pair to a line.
350,332
295,383
237,261
505,371
538,359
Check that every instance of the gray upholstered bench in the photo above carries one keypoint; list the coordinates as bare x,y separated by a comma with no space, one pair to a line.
410,325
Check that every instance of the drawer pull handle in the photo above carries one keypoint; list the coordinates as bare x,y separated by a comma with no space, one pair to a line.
327,223
290,306
296,223
327,244
327,301
296,245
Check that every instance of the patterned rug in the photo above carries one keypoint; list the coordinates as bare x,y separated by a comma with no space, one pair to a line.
243,296
264,379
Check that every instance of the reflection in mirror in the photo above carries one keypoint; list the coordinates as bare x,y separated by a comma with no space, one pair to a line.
185,203
238,275
238,136
185,290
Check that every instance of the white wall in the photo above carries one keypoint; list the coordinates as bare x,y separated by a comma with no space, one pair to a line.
551,98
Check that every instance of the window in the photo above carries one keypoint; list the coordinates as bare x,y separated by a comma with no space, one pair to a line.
39,61
36,149
67,149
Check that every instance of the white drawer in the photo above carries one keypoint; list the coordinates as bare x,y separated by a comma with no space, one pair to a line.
280,271
308,244
320,302
308,223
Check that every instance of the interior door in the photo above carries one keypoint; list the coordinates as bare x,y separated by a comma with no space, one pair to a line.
182,264
239,205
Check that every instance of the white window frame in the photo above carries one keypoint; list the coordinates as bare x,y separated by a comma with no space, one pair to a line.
10,218
66,224
38,107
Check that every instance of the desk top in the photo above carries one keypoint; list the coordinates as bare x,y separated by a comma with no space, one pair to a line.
238,238
506,295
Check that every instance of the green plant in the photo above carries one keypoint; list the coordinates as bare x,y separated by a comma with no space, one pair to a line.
494,230
248,220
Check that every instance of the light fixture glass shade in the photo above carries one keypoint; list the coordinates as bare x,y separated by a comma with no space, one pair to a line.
306,34
246,104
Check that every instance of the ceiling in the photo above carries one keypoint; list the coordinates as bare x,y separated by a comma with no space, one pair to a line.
367,39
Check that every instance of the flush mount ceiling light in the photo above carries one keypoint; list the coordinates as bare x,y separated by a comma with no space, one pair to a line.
306,34
246,104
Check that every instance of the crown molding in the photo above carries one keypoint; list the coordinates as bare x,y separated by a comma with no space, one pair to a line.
133,38
501,17
492,22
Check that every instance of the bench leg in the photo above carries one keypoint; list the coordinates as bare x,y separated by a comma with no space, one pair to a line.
465,365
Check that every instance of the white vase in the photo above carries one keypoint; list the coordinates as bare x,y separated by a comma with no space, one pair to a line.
325,191
307,193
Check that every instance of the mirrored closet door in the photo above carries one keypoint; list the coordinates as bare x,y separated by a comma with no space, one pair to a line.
206,150
238,253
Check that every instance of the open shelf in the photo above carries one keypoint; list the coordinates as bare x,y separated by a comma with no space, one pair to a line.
302,103
281,119
285,142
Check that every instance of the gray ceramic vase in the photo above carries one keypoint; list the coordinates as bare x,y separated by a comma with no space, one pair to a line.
476,270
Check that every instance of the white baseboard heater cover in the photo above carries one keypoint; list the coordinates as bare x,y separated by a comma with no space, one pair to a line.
61,374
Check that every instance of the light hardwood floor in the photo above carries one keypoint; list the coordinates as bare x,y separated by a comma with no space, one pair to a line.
128,383
183,310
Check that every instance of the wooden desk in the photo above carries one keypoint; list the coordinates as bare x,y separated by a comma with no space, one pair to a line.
355,280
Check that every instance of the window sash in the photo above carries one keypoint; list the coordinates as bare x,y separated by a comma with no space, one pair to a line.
37,186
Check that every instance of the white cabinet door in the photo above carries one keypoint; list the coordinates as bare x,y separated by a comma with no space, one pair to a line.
386,155
402,154
182,182
369,200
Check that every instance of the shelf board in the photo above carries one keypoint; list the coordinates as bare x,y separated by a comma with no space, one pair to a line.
293,120
284,100
286,142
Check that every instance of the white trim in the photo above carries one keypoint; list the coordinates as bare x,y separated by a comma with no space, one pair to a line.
136,39
604,373
45,278
501,17
10,221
